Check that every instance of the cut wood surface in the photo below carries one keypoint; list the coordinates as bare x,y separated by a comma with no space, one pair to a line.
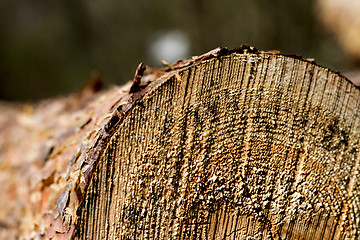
236,144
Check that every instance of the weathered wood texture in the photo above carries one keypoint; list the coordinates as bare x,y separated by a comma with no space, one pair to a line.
230,145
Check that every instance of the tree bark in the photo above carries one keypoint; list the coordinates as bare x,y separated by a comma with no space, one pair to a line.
236,144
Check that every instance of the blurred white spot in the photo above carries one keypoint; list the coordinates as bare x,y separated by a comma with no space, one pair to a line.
170,46
213,178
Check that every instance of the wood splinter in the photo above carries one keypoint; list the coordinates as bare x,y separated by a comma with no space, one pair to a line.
137,78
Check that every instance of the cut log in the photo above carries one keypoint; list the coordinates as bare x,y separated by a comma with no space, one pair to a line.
236,144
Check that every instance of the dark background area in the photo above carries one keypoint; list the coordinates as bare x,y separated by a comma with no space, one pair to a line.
50,48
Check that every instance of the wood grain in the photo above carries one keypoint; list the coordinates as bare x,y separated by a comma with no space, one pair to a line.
241,146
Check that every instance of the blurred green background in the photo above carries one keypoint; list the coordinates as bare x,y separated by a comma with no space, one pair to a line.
50,48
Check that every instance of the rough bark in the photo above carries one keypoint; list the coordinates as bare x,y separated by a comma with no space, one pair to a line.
233,144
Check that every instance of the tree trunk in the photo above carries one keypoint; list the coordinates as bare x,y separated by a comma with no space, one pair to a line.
233,144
